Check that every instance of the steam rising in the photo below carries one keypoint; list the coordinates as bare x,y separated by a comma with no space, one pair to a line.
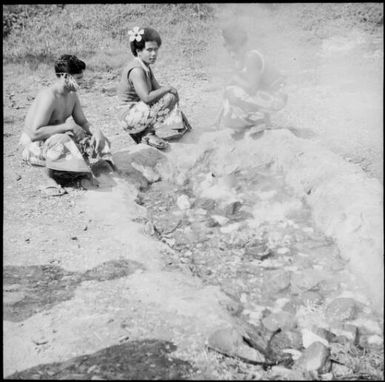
335,73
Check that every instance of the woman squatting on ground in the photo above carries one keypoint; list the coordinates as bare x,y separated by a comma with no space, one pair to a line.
149,112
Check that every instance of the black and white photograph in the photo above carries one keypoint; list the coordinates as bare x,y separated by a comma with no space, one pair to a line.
193,191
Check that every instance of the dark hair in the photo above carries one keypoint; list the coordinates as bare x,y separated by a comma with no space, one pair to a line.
148,35
234,35
70,64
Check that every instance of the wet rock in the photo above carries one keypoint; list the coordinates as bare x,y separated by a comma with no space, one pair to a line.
283,373
342,309
183,202
368,326
324,333
166,223
205,203
234,308
257,251
142,158
249,353
277,281
340,370
343,340
306,280
230,342
171,243
287,339
292,306
232,305
281,320
311,298
220,220
303,299
315,358
309,337
346,333
181,180
149,229
235,227
232,208
325,251
330,286
283,251
372,341
326,377
182,239
133,176
210,223
200,214
294,354
352,332
150,174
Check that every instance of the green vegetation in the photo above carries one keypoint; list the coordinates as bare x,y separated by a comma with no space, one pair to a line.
99,31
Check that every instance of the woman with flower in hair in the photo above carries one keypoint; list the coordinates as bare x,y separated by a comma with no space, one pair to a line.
149,112
256,89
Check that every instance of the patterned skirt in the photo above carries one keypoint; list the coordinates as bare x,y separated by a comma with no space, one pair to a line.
242,110
63,152
164,118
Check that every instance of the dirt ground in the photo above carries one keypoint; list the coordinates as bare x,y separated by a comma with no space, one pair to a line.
83,279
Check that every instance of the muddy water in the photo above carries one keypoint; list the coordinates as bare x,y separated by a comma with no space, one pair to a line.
262,248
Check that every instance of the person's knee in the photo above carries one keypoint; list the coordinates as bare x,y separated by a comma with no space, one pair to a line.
169,99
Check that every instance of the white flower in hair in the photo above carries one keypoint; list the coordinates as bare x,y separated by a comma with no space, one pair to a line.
135,34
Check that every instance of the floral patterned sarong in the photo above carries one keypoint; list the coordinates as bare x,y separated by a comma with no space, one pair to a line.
63,152
164,118
242,110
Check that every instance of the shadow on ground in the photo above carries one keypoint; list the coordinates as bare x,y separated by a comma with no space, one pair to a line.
146,359
28,290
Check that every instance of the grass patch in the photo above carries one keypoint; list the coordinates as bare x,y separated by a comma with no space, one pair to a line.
97,33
